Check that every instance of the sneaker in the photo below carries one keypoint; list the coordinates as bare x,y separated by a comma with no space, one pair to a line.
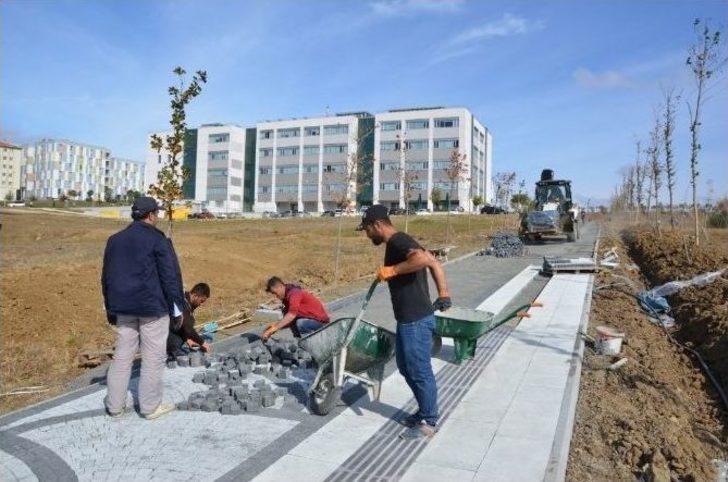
421,430
162,409
114,415
410,420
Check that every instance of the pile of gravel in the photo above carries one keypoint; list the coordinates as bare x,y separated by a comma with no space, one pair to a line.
226,374
505,245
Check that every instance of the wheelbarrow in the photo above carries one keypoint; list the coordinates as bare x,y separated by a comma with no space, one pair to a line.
347,348
466,325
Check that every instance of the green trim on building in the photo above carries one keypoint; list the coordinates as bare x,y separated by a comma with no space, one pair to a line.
251,137
365,167
189,162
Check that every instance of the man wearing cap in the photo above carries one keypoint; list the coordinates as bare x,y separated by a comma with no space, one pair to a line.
142,286
405,269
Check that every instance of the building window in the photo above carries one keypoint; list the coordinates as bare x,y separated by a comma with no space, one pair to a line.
418,124
418,185
235,181
416,144
288,151
217,155
310,169
266,134
390,146
391,126
288,169
335,168
389,186
335,149
312,131
335,130
336,187
217,191
292,132
444,185
266,152
309,188
416,165
287,188
264,171
217,172
307,150
447,122
159,158
441,165
446,143
264,189
216,138
389,166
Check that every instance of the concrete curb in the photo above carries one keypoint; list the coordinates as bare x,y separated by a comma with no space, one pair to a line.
559,459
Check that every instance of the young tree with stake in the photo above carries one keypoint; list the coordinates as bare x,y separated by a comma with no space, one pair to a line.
668,128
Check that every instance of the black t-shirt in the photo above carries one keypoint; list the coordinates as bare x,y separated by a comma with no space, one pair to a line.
410,293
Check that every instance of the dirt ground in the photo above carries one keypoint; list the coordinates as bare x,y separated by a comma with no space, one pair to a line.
655,418
51,263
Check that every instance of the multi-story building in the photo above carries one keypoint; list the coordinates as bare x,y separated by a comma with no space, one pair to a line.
155,160
413,152
10,163
57,167
313,164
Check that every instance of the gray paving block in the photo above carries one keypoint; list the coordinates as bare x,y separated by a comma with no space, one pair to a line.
171,363
196,359
183,361
258,370
183,405
196,404
280,391
252,405
284,373
198,377
269,400
211,406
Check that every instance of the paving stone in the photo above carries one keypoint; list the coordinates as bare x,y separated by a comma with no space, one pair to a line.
198,377
183,405
183,361
252,405
284,373
196,359
172,364
258,370
211,405
280,391
259,383
269,400
196,404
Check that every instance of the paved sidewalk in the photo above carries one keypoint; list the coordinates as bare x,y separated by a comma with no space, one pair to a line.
70,438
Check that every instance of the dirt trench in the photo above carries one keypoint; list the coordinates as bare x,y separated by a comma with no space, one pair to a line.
656,417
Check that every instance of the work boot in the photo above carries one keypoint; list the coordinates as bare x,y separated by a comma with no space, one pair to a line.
162,409
421,430
410,420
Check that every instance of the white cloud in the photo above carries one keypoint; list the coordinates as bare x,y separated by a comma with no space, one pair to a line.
609,79
393,8
469,40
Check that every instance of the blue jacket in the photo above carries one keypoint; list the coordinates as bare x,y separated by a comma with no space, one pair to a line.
141,274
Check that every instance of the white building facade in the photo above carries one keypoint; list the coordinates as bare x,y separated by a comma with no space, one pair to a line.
57,167
413,149
310,164
11,160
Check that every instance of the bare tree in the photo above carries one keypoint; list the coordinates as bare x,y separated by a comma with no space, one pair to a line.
409,186
704,60
654,164
456,172
640,172
168,188
668,128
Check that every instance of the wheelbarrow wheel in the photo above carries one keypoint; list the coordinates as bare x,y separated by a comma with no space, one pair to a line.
436,345
325,395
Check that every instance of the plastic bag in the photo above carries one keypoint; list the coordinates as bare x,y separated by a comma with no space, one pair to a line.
673,287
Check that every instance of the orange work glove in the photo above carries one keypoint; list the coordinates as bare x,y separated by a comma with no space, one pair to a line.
269,331
386,272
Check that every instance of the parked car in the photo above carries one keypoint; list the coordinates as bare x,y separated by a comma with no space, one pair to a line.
287,214
396,211
491,210
328,213
204,214
423,212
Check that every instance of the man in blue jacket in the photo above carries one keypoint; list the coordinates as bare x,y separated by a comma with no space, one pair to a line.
142,287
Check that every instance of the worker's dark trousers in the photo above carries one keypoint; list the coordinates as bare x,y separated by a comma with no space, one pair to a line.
175,345
413,348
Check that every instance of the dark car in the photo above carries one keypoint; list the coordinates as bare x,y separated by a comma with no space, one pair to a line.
328,214
491,210
205,214
396,211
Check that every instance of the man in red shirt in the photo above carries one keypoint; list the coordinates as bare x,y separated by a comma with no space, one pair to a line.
302,312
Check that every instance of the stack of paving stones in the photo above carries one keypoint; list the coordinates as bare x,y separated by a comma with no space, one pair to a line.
226,376
505,245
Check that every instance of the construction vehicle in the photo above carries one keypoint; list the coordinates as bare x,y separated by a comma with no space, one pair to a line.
554,212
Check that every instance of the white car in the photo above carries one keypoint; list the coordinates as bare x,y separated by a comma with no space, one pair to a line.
423,212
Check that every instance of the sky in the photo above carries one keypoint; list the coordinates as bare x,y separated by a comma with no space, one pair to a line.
568,85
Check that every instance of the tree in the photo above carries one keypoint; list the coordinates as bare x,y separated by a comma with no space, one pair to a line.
8,196
654,164
72,194
477,201
89,195
132,195
409,186
503,186
704,60
520,202
456,172
668,128
108,194
639,176
436,198
168,188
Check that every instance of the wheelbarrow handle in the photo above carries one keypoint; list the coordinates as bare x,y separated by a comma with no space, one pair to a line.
357,320
521,311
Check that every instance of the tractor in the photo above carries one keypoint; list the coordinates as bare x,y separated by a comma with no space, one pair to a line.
554,212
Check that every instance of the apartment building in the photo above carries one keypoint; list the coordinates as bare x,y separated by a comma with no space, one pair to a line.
11,157
412,157
59,167
313,164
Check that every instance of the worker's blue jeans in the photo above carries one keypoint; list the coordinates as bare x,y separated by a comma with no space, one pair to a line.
413,348
307,325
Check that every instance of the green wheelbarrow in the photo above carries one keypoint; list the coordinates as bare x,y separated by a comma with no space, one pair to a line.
347,348
466,325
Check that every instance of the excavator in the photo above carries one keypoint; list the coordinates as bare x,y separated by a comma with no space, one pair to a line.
554,213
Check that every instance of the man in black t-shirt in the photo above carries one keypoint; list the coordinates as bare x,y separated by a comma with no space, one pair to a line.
405,269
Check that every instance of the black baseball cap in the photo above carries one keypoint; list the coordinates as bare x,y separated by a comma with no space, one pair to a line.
143,206
374,213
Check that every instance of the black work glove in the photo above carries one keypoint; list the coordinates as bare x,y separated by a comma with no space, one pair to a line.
442,303
111,318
